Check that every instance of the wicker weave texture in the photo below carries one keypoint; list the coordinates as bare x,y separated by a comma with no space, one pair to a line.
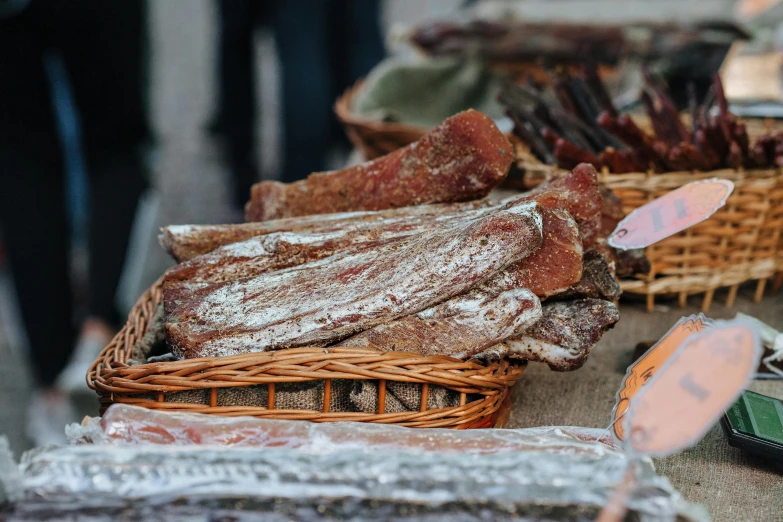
741,242
148,385
373,138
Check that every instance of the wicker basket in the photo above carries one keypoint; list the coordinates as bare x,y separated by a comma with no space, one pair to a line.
743,241
483,389
377,138
373,138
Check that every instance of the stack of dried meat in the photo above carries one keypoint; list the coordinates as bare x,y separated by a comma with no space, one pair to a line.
402,256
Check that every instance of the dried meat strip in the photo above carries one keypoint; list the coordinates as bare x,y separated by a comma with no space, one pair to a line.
576,192
322,302
564,336
184,242
460,327
461,159
632,262
611,211
582,199
598,280
278,250
551,269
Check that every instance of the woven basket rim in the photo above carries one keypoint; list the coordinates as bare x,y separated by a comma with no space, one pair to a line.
342,108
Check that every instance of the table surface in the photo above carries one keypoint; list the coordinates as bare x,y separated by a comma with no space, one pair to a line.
733,485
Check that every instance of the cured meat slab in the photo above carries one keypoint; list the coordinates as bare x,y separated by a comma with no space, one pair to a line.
461,327
328,300
184,242
461,159
278,250
554,267
576,192
564,336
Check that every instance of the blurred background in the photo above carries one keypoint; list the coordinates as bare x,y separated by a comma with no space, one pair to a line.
118,118
189,66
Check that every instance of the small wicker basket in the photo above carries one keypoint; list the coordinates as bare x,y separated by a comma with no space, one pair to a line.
373,138
743,241
484,399
377,138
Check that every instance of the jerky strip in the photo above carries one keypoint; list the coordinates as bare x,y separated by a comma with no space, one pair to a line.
598,280
461,159
460,328
564,336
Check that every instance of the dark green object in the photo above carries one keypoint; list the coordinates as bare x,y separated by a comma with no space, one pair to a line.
755,423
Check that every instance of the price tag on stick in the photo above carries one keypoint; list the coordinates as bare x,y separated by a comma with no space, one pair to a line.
686,395
692,389
672,213
645,367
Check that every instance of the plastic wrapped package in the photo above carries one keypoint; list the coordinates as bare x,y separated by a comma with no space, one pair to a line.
154,482
10,478
123,424
536,474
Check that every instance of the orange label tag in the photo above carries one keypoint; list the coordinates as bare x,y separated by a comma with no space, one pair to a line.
672,213
645,367
692,389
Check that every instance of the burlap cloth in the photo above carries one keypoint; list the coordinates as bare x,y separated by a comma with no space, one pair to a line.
734,485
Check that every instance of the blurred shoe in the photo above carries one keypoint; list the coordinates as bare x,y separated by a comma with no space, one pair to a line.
94,337
48,412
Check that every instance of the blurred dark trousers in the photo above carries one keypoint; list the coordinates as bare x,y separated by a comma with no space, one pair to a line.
324,46
102,46
236,119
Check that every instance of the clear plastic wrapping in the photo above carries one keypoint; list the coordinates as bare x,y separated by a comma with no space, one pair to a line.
133,425
536,474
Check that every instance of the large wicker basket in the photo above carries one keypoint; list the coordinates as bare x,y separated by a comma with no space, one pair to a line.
484,399
741,242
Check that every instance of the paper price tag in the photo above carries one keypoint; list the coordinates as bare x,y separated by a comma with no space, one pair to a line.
645,367
672,213
687,395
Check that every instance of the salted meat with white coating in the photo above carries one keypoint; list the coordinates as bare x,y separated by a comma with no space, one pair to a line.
460,327
551,269
184,242
564,335
632,262
328,300
576,192
278,250
584,199
461,159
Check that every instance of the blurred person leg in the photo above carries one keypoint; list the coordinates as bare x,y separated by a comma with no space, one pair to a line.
103,45
302,35
236,118
356,46
33,213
